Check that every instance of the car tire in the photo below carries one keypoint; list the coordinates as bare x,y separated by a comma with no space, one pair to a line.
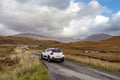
42,56
62,60
48,59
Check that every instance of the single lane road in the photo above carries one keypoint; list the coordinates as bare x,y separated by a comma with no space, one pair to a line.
70,71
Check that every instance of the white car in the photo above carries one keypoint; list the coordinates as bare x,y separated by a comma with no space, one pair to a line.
53,54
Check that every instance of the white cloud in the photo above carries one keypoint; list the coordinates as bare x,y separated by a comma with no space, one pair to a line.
56,18
115,22
5,31
100,20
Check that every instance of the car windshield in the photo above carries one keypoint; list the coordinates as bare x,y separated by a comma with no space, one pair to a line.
56,50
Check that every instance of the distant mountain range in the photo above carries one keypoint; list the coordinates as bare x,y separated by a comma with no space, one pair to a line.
41,37
28,39
114,38
34,36
98,37
95,37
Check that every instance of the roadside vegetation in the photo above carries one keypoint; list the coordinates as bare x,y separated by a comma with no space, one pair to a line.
113,67
6,51
26,67
103,55
6,63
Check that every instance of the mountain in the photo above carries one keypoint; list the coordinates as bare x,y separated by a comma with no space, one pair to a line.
23,40
34,36
98,37
95,37
41,37
114,38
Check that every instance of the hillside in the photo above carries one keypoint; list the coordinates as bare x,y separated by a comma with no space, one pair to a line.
23,40
34,36
115,38
95,37
112,44
98,37
41,37
106,52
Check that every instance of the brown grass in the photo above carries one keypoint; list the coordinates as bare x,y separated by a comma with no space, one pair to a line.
6,51
29,68
7,63
107,55
95,63
7,58
22,40
102,56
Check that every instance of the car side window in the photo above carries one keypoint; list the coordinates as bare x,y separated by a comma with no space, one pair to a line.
47,50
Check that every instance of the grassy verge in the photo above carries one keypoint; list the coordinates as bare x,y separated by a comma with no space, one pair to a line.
6,51
29,68
110,57
95,63
7,58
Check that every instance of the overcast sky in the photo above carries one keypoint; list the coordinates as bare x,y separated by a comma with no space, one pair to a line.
60,18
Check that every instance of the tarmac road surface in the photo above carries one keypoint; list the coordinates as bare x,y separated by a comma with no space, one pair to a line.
70,71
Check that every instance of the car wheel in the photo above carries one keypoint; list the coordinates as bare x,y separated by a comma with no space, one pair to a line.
48,59
62,60
41,56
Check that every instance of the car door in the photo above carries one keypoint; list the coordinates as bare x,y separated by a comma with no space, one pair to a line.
46,53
